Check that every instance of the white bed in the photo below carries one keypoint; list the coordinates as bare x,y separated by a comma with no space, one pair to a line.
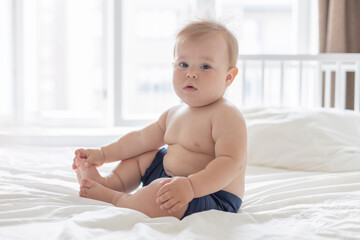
302,182
287,197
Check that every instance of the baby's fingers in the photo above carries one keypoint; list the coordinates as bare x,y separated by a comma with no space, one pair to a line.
89,162
163,182
165,187
86,163
164,198
169,204
81,153
176,207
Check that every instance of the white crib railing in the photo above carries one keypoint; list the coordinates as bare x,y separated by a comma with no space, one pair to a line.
316,80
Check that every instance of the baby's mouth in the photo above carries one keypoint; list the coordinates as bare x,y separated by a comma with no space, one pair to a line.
190,88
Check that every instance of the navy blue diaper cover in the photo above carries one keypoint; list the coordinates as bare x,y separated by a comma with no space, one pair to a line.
221,200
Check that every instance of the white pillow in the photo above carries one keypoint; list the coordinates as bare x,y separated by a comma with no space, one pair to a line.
316,140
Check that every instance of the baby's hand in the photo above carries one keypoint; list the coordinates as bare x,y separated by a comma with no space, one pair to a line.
175,193
92,157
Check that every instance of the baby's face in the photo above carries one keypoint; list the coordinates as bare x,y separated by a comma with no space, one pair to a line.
201,70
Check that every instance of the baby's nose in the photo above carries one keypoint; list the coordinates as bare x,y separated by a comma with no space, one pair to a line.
191,74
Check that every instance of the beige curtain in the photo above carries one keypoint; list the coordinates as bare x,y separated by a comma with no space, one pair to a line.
339,23
339,32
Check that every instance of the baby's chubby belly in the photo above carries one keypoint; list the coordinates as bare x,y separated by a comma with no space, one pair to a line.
180,161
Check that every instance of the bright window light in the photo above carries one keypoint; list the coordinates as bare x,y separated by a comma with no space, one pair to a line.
149,31
6,60
64,61
273,27
109,62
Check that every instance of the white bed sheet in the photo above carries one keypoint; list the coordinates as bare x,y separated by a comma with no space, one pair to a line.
39,200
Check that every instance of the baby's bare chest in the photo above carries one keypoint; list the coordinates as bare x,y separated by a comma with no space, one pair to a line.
192,131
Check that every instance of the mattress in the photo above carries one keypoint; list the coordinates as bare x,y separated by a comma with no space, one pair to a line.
286,196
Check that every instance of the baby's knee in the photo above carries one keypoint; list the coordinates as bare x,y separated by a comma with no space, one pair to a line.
157,183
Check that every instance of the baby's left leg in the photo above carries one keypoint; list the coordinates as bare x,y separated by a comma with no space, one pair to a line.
144,200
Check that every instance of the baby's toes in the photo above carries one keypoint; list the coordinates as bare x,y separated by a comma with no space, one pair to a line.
83,192
87,183
80,163
78,175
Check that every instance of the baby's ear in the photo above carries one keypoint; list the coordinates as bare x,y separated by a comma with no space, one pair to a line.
231,74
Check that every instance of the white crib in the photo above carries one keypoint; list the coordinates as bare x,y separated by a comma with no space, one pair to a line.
324,80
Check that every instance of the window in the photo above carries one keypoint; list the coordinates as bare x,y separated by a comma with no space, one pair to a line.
149,29
6,60
109,62
61,62
273,27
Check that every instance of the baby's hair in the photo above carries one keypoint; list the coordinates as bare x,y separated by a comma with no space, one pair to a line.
204,27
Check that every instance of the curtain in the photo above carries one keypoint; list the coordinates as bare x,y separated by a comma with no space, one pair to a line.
339,32
339,23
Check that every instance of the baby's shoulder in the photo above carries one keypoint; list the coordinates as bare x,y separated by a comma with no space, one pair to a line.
228,109
228,120
228,114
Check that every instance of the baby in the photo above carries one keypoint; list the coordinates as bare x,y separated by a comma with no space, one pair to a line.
203,166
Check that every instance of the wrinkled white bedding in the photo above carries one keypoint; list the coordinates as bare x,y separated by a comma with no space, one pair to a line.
39,200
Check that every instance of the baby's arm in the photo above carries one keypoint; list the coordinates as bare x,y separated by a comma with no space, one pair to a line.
131,144
229,135
137,142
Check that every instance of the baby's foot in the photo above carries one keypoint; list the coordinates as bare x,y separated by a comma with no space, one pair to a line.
94,190
87,172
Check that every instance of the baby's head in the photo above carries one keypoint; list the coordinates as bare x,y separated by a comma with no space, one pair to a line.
205,57
197,30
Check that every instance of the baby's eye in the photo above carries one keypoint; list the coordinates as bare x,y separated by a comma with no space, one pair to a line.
183,65
205,66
